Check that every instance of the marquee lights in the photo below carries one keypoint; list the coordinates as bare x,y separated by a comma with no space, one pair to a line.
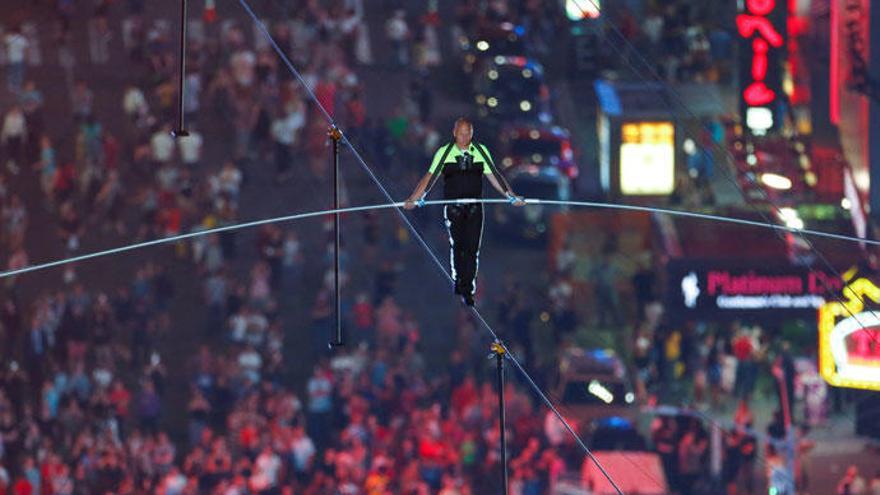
849,338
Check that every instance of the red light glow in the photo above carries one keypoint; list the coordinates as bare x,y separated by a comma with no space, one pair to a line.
834,93
755,25
758,94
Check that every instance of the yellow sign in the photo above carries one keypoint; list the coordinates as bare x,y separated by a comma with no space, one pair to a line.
647,158
849,338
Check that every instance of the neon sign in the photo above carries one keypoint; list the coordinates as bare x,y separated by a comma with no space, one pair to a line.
755,25
647,158
736,289
727,283
849,338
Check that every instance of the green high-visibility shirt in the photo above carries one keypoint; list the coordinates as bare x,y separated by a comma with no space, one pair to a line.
456,152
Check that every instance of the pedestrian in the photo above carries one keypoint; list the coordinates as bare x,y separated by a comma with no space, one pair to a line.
691,456
875,484
605,274
397,32
192,97
16,50
162,146
135,105
12,136
852,482
190,148
31,101
285,130
82,100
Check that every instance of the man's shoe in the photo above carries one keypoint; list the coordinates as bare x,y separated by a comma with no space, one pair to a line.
461,289
468,299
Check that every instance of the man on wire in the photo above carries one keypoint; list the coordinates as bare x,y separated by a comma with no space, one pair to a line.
463,163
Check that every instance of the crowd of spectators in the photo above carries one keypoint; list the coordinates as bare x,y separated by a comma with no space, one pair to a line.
86,393
686,41
718,369
852,483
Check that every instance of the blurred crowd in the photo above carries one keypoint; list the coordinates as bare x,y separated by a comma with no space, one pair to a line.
853,483
685,41
86,395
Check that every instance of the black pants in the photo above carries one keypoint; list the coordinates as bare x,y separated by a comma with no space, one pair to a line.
465,226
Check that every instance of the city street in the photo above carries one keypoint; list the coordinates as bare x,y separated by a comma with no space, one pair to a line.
421,288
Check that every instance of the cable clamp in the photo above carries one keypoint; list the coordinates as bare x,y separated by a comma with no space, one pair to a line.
498,348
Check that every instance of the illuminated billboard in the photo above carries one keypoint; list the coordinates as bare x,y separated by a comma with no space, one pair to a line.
849,338
760,26
730,290
647,158
849,109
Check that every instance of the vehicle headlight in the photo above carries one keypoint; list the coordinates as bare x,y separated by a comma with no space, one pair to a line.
600,391
525,105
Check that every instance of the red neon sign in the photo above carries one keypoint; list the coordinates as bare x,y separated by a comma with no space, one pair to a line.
756,24
723,282
865,346
834,73
849,355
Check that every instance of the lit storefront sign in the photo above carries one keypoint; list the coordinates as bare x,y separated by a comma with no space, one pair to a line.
849,71
761,81
849,338
718,290
647,158
849,105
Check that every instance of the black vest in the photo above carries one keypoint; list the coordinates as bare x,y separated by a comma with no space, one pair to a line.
464,178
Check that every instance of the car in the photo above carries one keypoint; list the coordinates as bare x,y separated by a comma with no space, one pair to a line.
531,222
616,433
593,384
540,145
489,40
512,88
